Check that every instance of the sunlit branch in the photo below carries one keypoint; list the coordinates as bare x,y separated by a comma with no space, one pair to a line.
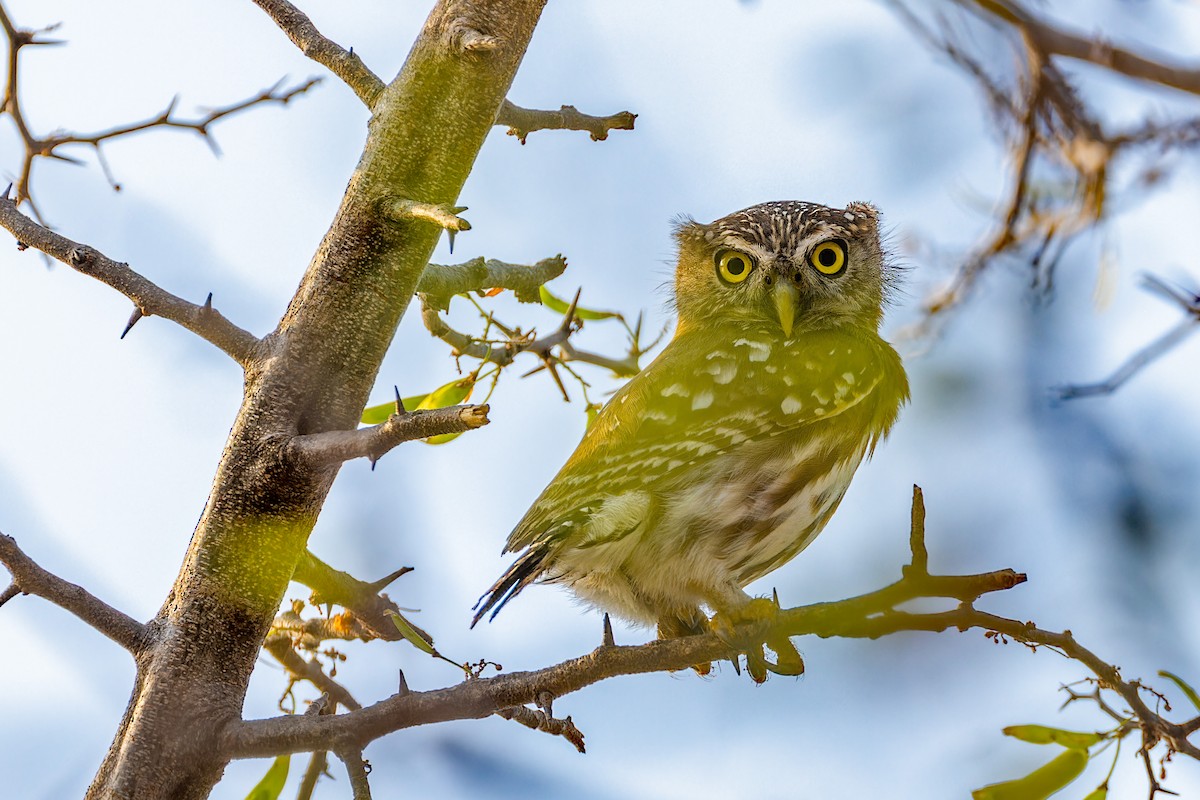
29,578
523,121
329,54
440,282
148,298
334,447
333,587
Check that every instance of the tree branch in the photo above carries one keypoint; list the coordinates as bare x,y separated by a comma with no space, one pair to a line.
1190,303
148,298
329,54
440,282
29,578
334,447
1057,41
300,668
483,696
332,586
523,121
357,769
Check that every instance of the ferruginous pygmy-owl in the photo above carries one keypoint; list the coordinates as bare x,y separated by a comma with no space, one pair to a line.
726,456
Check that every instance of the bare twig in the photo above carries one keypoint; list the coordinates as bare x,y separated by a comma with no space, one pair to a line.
151,300
341,62
48,146
540,720
29,578
523,121
300,668
335,447
1190,303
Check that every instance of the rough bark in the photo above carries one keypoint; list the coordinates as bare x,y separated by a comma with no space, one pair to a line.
313,375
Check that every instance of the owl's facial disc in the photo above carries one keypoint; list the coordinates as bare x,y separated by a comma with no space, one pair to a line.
784,297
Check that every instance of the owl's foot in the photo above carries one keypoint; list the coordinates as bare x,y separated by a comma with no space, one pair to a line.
690,623
758,610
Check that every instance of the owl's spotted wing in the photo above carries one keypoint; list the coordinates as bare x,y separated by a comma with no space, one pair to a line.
698,401
705,396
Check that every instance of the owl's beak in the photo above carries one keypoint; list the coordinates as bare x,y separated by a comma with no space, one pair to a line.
785,297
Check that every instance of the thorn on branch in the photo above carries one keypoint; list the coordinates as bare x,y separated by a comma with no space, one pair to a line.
402,688
375,587
316,707
133,319
608,640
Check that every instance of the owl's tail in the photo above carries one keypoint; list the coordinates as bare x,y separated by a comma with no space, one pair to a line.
524,571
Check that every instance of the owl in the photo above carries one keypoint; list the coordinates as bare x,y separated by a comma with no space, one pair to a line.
729,453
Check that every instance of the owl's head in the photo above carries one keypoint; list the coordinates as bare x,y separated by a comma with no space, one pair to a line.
799,265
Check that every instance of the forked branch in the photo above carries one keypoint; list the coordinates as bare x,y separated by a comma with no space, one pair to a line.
148,298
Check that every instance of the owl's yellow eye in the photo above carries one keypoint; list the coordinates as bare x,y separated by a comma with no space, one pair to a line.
734,267
828,258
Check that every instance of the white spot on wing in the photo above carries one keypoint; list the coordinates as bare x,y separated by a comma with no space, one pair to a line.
791,404
675,388
702,400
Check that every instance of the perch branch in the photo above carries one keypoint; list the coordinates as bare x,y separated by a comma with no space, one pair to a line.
329,54
29,578
331,448
870,616
523,121
148,298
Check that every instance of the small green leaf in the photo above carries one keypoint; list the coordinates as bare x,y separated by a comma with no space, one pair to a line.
271,786
1040,734
558,304
1101,793
592,411
1039,784
1183,687
374,415
410,633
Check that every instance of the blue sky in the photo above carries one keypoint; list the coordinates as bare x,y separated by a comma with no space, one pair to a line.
107,447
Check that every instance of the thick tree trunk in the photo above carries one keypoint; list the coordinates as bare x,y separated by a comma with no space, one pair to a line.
313,374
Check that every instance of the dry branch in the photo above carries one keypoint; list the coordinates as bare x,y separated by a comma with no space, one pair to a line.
329,54
29,578
148,298
523,121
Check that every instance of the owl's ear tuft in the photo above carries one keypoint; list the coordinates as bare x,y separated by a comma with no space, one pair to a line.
688,231
860,209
